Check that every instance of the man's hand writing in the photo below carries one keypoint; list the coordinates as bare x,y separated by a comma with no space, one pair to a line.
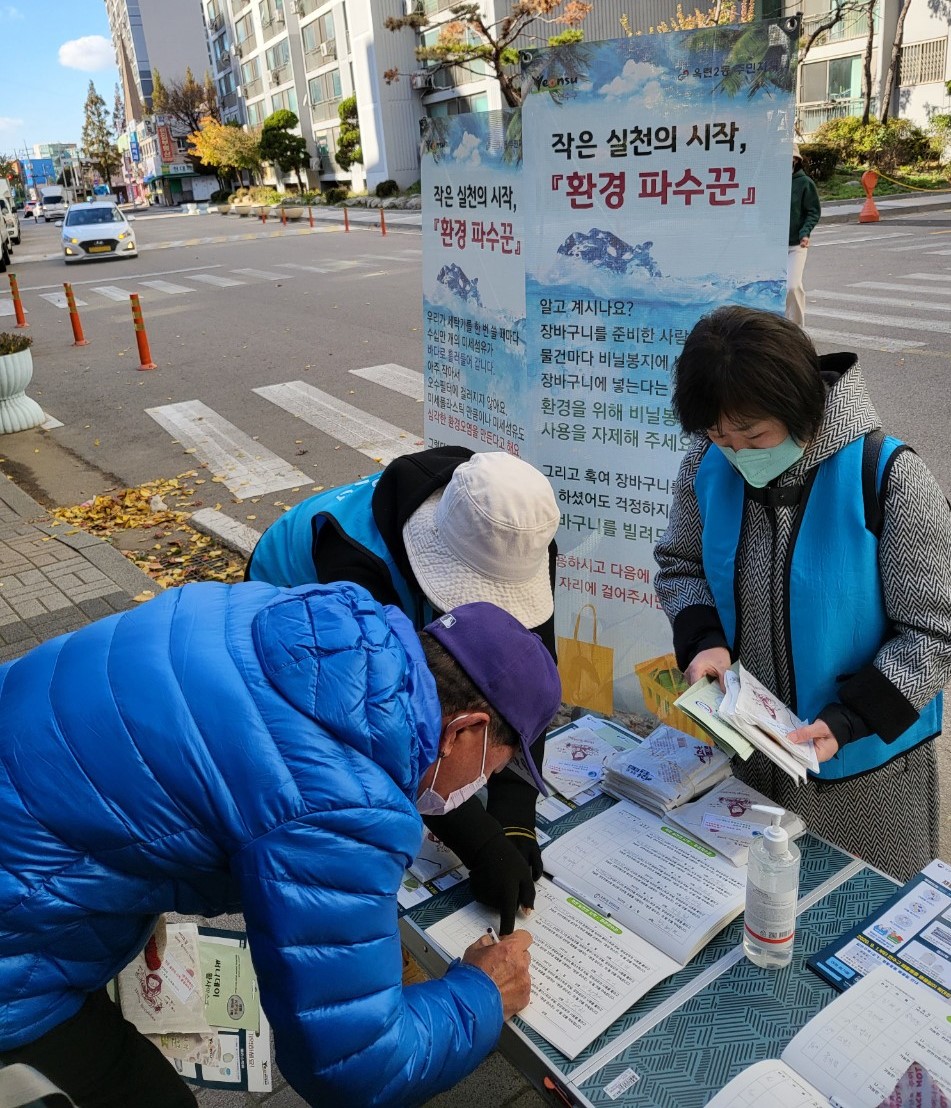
506,962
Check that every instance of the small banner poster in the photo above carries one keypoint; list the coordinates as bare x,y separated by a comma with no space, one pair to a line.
657,174
476,393
167,148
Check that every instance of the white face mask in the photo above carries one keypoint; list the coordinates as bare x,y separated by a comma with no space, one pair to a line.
430,803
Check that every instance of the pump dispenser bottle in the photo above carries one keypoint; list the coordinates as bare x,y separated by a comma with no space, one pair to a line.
772,889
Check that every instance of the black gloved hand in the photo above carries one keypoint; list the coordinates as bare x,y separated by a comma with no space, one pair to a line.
512,802
525,842
501,878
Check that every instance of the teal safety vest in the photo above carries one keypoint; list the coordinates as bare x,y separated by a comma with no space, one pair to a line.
284,555
835,609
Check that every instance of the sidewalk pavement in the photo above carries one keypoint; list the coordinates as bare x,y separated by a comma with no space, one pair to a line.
54,579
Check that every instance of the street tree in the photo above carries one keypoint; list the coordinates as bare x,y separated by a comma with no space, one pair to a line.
98,141
891,77
185,101
228,147
279,144
475,45
719,14
348,150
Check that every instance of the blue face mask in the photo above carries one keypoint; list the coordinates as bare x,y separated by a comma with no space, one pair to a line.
758,467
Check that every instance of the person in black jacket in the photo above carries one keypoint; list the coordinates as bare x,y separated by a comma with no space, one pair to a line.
434,530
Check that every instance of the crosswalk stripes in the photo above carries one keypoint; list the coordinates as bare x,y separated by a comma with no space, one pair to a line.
372,437
904,322
58,300
857,240
884,286
168,287
214,279
243,465
891,301
112,292
264,274
398,378
6,307
847,339
930,276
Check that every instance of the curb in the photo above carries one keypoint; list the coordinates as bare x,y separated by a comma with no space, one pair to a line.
847,211
227,532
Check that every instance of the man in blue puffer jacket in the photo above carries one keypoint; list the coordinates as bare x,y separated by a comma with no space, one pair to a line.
251,748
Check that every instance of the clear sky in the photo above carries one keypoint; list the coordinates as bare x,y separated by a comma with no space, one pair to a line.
51,49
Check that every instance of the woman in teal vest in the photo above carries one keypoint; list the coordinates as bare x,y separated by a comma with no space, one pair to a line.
805,543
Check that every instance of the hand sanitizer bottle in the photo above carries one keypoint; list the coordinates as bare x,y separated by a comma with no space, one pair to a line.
772,889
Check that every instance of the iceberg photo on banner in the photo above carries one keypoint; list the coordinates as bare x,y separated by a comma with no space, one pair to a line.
657,174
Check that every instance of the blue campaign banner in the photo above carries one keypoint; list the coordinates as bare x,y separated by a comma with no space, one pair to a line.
473,282
134,152
657,172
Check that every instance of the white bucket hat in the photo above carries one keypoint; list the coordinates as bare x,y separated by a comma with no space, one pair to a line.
485,536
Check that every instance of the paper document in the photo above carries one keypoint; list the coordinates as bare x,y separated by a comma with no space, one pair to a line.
586,970
856,1051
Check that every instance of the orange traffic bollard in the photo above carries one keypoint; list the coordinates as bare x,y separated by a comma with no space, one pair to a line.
346,220
264,215
310,214
79,339
17,302
145,355
869,213
283,215
382,222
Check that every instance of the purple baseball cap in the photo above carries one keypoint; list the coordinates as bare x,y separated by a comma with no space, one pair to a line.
509,665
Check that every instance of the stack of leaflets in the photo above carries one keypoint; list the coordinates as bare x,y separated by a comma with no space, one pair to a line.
749,717
575,756
724,819
667,769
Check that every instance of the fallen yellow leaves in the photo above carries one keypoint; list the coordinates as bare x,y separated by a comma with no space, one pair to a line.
136,517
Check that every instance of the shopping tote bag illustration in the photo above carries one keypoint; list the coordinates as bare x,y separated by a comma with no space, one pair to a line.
587,668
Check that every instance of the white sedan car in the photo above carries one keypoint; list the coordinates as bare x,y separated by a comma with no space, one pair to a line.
97,230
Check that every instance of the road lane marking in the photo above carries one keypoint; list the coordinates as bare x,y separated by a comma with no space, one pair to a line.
168,287
889,321
864,342
398,378
214,279
855,298
372,437
7,308
245,467
930,276
133,277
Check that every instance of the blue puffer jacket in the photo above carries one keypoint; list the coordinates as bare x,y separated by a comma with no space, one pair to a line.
224,748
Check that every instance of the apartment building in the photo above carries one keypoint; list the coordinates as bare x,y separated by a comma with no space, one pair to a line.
309,55
830,76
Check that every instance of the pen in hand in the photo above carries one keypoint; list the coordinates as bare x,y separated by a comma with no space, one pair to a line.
493,935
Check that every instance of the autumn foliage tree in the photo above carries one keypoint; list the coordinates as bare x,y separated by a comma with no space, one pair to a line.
719,14
228,147
187,101
474,44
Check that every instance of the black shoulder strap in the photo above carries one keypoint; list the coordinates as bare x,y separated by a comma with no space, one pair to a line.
873,491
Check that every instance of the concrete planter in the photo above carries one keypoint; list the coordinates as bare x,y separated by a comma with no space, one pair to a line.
223,209
291,213
17,411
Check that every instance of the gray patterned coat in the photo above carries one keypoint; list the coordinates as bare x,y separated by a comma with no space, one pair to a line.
910,668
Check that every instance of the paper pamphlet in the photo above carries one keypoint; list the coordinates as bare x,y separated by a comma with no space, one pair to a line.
749,717
575,755
910,935
629,901
434,859
666,769
723,818
916,1088
195,996
855,1052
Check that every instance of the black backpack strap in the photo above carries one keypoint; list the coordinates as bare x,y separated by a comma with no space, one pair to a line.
874,491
